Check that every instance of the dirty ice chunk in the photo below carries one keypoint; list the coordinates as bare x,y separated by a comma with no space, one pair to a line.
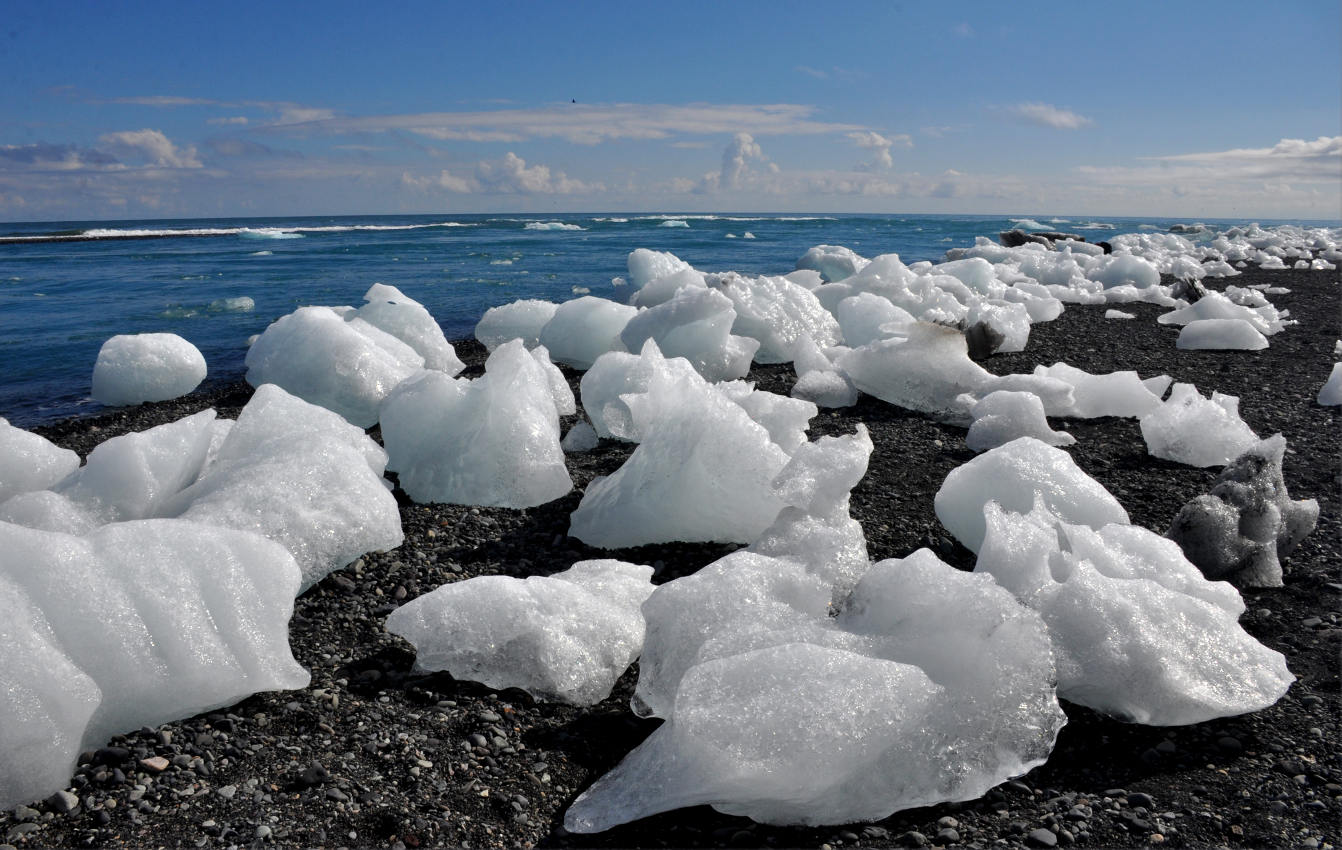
564,637
1012,475
1193,430
135,368
30,461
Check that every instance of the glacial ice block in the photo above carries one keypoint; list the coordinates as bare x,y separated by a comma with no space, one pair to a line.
617,374
583,329
1012,475
1111,394
167,618
135,368
833,262
331,359
776,312
1138,633
1330,395
403,317
30,461
1188,428
1002,416
1241,529
926,371
1220,334
565,637
519,320
490,441
695,324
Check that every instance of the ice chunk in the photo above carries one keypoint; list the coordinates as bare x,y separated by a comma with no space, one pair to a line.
1240,530
133,476
663,289
1123,270
1012,475
1118,314
1236,334
1190,429
833,262
1110,394
646,266
1214,305
1002,416
519,320
30,461
926,371
564,637
696,324
580,438
616,374
135,368
1137,632
825,389
866,318
291,472
1331,393
776,312
48,511
491,441
786,419
409,321
168,618
319,356
560,391
583,329
701,473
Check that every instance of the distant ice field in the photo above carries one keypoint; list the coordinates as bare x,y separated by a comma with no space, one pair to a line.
66,287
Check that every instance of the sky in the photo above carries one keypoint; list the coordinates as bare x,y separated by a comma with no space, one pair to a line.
1225,109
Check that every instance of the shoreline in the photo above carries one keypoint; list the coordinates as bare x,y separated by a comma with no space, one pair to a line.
371,724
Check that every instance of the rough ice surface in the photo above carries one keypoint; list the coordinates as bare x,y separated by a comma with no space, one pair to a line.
776,312
30,461
865,318
1124,269
398,314
816,527
1013,476
1137,631
1236,334
519,320
826,388
170,619
1215,305
296,474
333,359
695,324
583,329
926,371
1003,415
581,437
565,637
833,262
789,717
490,441
1248,522
45,510
646,266
1110,394
619,373
701,473
786,419
1330,395
1193,430
560,391
135,368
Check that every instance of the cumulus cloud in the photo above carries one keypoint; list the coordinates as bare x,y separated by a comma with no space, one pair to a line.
510,175
157,148
1047,115
880,147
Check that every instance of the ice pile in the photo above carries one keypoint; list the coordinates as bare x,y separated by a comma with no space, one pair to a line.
1241,530
137,624
788,716
1188,428
349,360
135,368
489,441
564,637
30,462
1137,631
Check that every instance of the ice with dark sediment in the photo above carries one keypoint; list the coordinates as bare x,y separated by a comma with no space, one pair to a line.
1241,529
564,637
135,368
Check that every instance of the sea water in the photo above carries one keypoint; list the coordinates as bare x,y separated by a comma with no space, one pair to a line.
66,287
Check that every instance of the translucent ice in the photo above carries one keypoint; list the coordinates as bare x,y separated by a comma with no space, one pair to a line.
490,441
1124,269
1214,305
696,324
1188,428
1110,394
564,637
1330,395
776,312
646,266
619,373
833,262
406,319
1240,530
519,320
332,359
1002,416
866,318
926,371
135,368
583,329
1235,334
1015,474
30,461
1138,633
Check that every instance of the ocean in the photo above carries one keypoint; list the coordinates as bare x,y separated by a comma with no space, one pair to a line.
66,287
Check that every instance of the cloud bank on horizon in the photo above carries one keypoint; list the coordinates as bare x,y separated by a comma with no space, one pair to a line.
868,110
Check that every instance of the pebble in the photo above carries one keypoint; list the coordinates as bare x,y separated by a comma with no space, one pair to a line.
1142,800
1041,838
21,830
947,835
63,802
227,791
154,764
913,839
262,832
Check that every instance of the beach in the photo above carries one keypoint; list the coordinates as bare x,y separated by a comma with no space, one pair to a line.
372,754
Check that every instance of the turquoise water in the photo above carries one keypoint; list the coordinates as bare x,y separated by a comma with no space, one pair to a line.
60,300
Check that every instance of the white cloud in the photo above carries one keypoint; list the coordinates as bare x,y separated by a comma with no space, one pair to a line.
1296,159
510,175
880,147
1047,115
154,146
165,100
236,119
48,157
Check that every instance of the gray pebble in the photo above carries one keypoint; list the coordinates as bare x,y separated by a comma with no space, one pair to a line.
21,830
1041,838
1140,799
947,835
913,839
262,832
63,802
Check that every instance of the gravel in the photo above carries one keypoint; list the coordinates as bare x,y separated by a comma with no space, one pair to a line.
371,755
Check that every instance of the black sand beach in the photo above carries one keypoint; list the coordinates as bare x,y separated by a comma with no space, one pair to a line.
372,756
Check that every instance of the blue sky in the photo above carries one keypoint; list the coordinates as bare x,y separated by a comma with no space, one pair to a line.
1202,109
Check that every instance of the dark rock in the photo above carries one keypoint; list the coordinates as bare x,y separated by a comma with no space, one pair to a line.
1041,838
